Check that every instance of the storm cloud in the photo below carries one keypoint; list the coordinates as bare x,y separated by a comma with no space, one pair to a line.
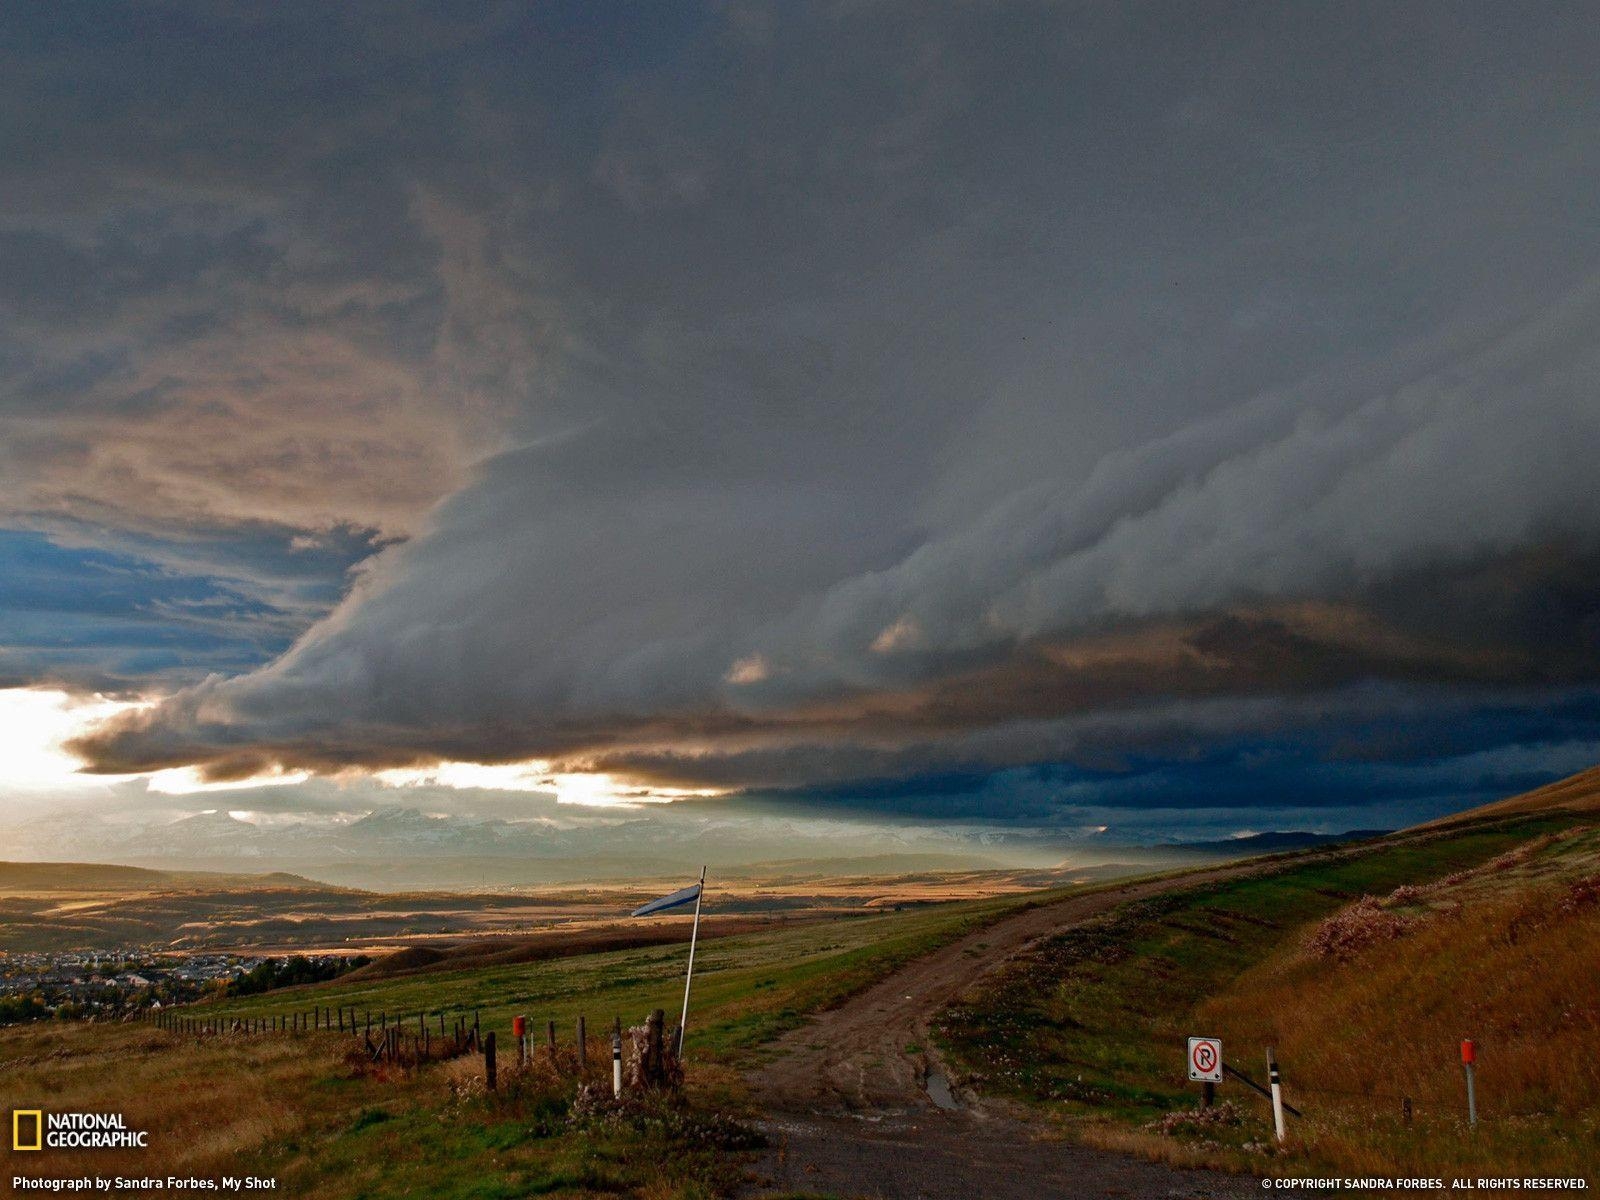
788,397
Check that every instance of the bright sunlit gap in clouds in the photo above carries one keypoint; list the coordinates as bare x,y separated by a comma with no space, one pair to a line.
36,724
595,789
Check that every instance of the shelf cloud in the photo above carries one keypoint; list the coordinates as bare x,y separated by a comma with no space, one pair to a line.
810,400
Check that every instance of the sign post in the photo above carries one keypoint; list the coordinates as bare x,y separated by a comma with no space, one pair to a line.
1205,1066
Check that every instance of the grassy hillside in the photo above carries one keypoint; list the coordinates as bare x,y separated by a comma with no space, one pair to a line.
1578,793
1093,1022
18,878
747,988
1507,954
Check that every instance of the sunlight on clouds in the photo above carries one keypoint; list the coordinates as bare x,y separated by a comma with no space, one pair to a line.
499,777
594,789
184,781
34,724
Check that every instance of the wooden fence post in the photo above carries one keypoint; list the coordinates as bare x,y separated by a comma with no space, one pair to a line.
488,1059
655,1061
583,1045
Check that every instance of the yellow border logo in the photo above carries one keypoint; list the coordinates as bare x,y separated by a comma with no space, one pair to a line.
16,1128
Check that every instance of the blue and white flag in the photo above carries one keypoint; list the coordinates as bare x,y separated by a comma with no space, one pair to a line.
683,896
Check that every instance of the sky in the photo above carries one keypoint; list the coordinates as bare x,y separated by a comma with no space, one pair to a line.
1178,418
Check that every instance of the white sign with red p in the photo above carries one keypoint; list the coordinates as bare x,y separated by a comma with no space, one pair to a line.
1205,1060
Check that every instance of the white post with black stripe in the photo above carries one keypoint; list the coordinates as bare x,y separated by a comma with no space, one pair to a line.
616,1064
1276,1084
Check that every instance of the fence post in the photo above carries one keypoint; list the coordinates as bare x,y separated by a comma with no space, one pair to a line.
655,1062
551,1036
1469,1057
583,1045
488,1058
1276,1084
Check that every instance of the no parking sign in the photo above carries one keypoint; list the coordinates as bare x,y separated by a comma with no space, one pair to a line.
1205,1060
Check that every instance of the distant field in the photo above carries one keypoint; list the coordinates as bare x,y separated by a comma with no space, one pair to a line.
1092,1023
747,987
65,907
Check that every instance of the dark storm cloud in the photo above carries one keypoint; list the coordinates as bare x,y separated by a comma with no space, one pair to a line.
816,394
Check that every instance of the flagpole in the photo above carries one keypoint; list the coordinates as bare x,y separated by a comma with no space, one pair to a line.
683,1025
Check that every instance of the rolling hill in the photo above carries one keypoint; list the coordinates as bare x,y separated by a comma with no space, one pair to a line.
1578,793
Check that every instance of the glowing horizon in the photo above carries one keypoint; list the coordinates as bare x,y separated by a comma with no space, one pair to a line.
37,723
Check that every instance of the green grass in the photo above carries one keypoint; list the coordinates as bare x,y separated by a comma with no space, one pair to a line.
747,989
1093,1021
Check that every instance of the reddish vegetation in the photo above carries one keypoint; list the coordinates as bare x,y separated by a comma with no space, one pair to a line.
1581,894
1351,930
1197,1120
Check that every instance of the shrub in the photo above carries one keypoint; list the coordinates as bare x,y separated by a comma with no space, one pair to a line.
1581,894
1351,930
1198,1121
663,1116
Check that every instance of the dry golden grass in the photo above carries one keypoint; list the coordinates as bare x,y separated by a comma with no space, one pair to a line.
1263,1158
208,1103
1578,793
1508,956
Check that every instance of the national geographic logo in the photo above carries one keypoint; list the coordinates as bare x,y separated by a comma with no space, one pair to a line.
24,1119
35,1129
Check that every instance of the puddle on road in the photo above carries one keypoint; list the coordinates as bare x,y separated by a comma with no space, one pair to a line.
938,1089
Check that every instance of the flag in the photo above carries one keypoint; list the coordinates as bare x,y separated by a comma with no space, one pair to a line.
683,896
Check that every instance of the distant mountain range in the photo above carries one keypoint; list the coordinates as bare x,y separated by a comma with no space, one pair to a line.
404,847
1267,843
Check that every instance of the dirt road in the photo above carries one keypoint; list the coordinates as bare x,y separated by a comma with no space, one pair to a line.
861,1106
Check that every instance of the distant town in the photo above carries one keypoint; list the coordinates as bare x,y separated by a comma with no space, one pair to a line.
87,986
